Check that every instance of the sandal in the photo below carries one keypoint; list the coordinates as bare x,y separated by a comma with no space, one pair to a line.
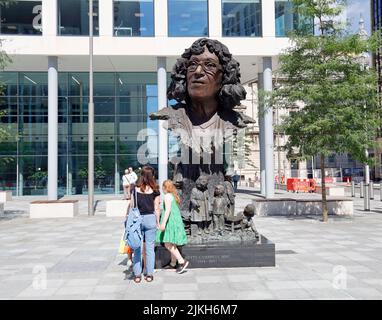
149,278
137,279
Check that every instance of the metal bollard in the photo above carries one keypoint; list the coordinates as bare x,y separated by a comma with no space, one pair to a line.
361,191
366,199
353,189
380,190
371,185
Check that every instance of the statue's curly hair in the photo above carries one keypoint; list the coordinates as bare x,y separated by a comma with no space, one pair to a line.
231,92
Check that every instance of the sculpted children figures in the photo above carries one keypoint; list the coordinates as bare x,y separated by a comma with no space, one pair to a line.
248,223
200,205
219,208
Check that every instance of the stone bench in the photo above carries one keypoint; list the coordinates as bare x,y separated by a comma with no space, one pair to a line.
289,207
117,208
332,191
5,196
1,209
341,207
53,209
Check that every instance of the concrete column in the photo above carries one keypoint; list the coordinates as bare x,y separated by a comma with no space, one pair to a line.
261,134
268,18
160,19
162,132
105,17
49,18
215,19
52,127
268,130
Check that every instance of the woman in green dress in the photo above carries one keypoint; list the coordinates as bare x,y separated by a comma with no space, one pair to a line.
171,229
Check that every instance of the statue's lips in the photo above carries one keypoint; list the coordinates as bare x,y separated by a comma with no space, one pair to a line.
197,82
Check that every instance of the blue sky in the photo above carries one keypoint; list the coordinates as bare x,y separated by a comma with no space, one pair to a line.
353,11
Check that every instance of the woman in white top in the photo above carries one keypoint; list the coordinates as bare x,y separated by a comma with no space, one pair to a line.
126,185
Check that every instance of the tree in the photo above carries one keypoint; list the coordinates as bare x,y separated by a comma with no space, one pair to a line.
242,148
4,60
331,97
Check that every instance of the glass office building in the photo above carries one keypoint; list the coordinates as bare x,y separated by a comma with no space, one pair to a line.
187,18
241,18
132,39
122,104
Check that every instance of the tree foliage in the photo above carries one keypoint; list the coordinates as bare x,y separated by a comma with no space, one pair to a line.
329,92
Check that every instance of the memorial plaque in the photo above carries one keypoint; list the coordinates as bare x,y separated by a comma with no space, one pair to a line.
224,254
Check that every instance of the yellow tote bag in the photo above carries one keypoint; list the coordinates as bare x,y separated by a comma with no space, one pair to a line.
122,245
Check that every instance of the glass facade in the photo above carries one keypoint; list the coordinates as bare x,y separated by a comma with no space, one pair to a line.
21,17
73,17
286,20
241,18
134,18
187,18
122,104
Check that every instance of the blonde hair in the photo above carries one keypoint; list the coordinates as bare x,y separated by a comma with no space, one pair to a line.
169,186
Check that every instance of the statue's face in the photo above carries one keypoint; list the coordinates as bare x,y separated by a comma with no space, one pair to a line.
204,76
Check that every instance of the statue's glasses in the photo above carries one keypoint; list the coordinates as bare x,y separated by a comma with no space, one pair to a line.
207,65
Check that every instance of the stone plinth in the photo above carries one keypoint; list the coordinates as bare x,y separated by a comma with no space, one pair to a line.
5,196
269,207
332,191
335,207
53,209
117,208
313,206
223,254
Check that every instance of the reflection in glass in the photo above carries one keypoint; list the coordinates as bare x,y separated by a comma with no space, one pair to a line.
187,18
287,20
242,18
33,84
73,17
8,173
8,83
134,18
21,17
121,113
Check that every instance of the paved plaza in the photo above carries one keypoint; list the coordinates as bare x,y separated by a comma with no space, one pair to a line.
78,259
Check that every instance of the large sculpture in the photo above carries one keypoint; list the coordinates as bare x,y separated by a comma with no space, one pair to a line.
205,83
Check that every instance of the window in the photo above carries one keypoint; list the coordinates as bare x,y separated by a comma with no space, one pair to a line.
134,18
21,17
73,17
241,18
187,18
287,20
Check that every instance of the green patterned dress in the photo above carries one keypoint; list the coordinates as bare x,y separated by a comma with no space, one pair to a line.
174,232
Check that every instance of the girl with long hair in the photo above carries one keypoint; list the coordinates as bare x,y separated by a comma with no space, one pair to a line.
171,229
148,202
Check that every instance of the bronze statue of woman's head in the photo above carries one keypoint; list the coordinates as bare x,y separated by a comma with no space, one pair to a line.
207,68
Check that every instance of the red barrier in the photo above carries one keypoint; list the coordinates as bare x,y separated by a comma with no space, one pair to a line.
301,185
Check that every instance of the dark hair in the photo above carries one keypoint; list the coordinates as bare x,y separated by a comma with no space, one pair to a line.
147,178
231,92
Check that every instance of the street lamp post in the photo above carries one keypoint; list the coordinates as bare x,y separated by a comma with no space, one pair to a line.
91,118
365,60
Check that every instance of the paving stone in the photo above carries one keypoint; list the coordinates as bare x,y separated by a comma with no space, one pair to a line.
180,287
255,295
180,295
82,260
82,282
63,291
364,293
285,284
291,294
